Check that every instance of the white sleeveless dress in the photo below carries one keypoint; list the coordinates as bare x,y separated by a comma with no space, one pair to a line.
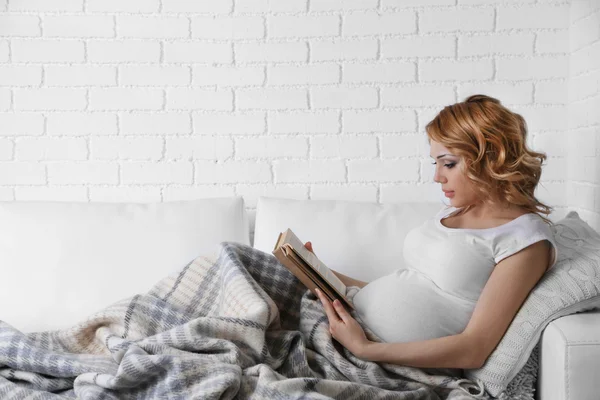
445,269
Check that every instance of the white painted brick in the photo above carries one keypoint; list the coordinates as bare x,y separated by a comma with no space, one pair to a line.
343,146
303,74
450,70
383,170
585,113
6,149
21,124
53,193
473,2
20,25
553,194
3,7
89,172
129,50
189,192
582,86
584,31
140,26
80,75
584,142
78,26
138,172
580,9
383,72
340,97
507,93
375,23
125,194
585,59
251,193
552,92
401,146
532,68
378,121
262,6
272,148
155,123
232,28
199,148
49,99
228,75
552,42
271,52
419,46
533,17
4,52
126,148
125,99
546,118
21,75
341,50
552,143
47,51
198,99
342,5
154,75
304,122
581,195
78,124
186,52
232,172
22,173
288,26
518,44
46,5
417,96
48,148
410,192
416,3
6,194
351,192
212,7
116,6
235,124
309,171
463,20
273,99
5,99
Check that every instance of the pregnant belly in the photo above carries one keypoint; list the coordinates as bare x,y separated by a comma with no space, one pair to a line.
407,306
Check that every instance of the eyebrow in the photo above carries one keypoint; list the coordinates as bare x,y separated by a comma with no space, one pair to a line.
442,155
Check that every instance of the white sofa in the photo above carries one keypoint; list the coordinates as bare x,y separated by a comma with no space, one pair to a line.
62,261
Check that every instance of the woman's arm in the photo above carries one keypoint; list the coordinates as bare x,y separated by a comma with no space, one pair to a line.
349,281
455,351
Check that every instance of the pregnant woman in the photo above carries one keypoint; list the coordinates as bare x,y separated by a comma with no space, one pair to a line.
468,269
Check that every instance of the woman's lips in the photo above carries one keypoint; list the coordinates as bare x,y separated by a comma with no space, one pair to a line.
449,194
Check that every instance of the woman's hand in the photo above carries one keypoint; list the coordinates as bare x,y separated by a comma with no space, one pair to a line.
343,327
308,245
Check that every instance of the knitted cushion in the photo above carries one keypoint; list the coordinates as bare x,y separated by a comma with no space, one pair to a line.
571,286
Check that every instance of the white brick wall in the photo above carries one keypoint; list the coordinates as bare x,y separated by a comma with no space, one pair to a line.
583,153
160,100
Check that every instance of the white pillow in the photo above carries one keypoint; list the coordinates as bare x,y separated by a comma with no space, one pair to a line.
61,261
363,240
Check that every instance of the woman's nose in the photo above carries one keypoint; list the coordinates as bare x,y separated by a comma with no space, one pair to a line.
437,177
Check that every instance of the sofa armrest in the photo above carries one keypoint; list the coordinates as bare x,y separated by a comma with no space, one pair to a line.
569,366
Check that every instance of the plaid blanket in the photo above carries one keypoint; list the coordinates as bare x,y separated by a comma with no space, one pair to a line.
233,324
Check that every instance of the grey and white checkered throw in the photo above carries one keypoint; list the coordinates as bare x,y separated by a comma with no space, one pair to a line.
233,324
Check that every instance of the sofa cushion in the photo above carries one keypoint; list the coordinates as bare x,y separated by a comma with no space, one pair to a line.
571,286
61,261
363,240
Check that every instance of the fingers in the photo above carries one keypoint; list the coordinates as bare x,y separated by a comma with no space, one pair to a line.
341,310
329,309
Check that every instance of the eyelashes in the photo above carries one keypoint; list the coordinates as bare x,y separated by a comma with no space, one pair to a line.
446,165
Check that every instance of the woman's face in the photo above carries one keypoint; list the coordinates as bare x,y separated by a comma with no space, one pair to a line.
449,172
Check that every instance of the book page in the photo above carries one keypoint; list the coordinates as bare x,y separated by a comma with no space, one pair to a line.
314,262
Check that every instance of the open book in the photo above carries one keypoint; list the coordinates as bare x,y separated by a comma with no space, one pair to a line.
311,271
